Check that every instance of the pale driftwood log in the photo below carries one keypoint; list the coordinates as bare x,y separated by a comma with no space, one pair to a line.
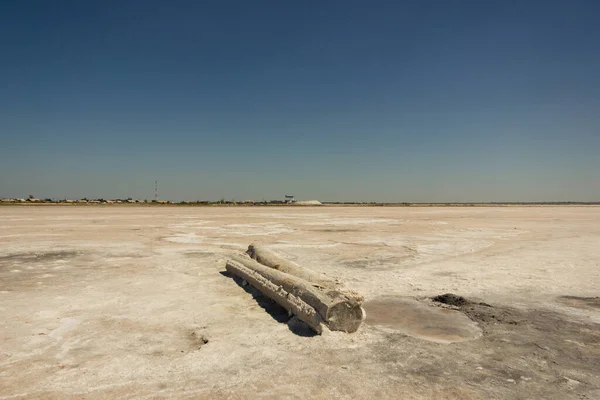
276,292
271,259
339,311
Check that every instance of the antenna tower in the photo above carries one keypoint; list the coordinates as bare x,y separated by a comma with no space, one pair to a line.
155,190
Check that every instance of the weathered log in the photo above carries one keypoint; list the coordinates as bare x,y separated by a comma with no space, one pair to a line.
277,293
271,259
339,311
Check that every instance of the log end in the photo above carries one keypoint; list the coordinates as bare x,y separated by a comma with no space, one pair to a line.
345,317
251,250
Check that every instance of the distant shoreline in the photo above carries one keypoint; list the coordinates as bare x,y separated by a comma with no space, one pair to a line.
416,205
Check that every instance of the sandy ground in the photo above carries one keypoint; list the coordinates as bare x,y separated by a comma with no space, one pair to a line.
133,302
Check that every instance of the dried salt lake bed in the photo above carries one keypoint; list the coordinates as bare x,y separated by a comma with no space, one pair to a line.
131,302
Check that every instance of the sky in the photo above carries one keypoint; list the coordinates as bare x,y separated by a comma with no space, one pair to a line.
390,101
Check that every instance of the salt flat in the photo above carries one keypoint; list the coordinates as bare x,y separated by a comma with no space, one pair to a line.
132,302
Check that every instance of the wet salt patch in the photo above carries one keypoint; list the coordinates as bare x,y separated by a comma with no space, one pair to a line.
584,303
421,321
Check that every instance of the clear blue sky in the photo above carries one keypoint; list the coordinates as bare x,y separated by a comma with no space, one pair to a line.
428,101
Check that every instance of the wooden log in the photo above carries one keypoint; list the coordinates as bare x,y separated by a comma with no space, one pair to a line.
293,304
339,311
273,260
